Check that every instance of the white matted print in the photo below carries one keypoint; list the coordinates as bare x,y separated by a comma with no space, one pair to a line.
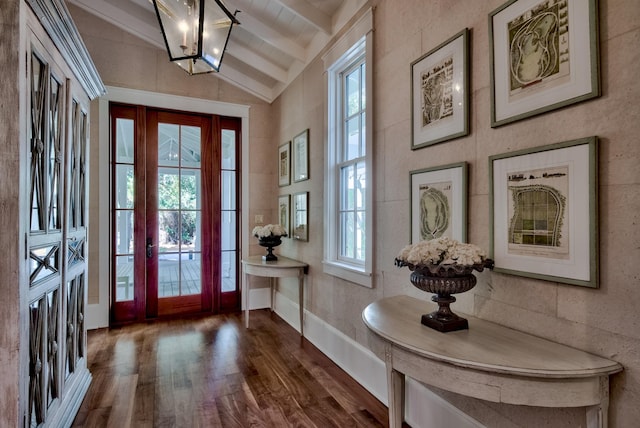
544,216
440,93
284,164
439,202
300,150
544,55
284,212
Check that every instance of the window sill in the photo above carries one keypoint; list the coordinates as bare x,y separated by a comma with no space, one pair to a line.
348,273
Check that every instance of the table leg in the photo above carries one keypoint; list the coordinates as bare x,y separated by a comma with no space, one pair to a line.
272,286
301,300
598,415
395,386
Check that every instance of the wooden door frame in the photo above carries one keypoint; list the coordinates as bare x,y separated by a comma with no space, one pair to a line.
98,310
145,305
210,205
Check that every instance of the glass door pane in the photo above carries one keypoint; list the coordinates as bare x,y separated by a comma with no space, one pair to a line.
229,213
124,183
179,210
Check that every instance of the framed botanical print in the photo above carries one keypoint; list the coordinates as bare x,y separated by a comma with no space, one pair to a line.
300,150
284,213
284,164
544,212
300,216
544,56
439,202
440,93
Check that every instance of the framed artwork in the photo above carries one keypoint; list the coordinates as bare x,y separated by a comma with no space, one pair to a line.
439,202
284,213
440,93
284,164
544,212
300,216
301,156
544,56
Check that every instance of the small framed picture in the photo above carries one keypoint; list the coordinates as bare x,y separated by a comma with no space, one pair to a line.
440,93
544,56
284,164
301,156
439,202
300,216
544,212
284,213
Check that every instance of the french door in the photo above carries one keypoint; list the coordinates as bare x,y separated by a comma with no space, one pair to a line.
174,184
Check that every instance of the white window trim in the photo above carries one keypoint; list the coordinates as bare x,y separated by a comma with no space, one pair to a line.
358,39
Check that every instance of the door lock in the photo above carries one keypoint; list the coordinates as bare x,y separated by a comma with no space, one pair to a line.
149,248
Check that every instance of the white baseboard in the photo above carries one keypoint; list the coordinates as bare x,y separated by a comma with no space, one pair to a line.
423,408
97,316
260,298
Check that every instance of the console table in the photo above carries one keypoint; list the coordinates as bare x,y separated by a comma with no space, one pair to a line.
488,361
281,268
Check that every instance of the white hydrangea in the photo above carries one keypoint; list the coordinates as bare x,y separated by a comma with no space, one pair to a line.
442,251
269,230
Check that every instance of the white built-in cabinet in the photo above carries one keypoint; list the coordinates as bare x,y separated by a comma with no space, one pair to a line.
60,83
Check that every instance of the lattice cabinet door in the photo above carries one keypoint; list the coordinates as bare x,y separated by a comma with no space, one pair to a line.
46,99
56,87
57,240
76,232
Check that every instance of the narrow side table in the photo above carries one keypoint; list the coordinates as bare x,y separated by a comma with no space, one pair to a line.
281,268
487,361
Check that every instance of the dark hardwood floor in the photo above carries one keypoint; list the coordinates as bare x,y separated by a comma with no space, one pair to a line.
211,372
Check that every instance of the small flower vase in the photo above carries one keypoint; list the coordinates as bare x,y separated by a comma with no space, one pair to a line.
443,284
269,242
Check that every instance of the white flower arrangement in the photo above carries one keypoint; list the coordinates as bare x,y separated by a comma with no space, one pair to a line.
269,230
443,253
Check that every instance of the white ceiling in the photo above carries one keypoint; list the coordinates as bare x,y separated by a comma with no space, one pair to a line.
275,41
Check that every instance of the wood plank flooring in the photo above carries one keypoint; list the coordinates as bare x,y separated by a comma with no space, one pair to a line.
211,372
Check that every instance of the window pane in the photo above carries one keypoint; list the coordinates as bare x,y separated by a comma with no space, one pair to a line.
190,268
168,188
346,189
353,92
360,241
124,186
190,230
228,271
168,144
190,152
168,275
360,182
353,138
363,89
124,232
228,149
190,189
124,140
228,230
168,232
347,223
363,134
124,278
228,190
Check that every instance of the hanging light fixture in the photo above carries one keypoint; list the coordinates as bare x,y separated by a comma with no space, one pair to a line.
195,32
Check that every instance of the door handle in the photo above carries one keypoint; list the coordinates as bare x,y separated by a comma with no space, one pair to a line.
149,248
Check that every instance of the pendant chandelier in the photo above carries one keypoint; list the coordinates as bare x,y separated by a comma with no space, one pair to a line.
196,32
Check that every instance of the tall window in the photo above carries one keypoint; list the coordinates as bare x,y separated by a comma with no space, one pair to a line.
351,164
348,191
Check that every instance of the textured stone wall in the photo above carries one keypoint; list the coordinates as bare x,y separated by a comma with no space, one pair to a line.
603,321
